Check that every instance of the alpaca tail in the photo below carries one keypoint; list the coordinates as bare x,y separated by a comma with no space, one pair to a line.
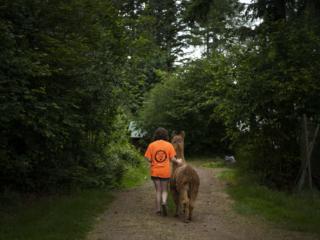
194,183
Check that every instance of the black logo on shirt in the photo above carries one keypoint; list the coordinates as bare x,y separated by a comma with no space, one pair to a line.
160,156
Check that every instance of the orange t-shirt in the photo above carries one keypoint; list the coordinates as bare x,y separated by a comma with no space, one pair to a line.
160,153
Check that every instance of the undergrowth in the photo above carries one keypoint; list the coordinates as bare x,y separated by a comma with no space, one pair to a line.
299,212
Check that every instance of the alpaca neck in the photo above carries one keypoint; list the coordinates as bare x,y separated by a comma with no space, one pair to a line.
180,151
179,154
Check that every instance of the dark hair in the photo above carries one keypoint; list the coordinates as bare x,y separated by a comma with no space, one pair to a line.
161,134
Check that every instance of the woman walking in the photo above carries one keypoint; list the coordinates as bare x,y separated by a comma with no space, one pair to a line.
160,153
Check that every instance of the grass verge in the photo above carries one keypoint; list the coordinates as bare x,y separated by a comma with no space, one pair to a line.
135,176
171,205
59,217
291,211
53,218
217,164
210,162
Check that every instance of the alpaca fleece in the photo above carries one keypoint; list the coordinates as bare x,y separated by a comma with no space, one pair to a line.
185,181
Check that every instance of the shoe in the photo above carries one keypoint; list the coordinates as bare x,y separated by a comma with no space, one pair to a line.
158,213
164,210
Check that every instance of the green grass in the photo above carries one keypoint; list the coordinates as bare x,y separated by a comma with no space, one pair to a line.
135,176
53,218
171,205
59,217
210,162
217,164
229,175
290,211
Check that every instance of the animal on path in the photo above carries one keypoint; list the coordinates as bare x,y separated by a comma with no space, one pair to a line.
185,181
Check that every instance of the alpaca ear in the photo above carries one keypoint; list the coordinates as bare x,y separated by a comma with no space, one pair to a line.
173,134
183,134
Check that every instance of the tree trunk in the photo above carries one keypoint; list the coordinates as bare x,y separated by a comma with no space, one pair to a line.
306,156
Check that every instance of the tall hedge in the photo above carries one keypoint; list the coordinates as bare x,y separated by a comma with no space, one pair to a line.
58,72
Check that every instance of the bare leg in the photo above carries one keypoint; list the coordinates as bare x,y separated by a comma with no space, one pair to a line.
157,186
164,197
164,192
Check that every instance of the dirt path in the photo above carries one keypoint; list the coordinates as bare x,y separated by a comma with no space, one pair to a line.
131,217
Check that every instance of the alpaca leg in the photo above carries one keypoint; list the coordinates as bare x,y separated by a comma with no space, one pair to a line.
187,211
175,196
184,201
191,206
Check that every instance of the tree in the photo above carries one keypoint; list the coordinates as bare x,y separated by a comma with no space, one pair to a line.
182,101
58,70
211,23
275,84
152,45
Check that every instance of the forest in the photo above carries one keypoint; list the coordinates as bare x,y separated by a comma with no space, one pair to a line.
74,73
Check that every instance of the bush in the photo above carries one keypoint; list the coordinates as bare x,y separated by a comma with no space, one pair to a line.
57,99
273,166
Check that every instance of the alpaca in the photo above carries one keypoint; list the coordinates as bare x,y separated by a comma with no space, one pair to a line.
185,181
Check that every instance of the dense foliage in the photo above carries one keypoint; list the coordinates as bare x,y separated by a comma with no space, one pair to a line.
152,44
59,66
258,85
71,72
277,82
182,102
